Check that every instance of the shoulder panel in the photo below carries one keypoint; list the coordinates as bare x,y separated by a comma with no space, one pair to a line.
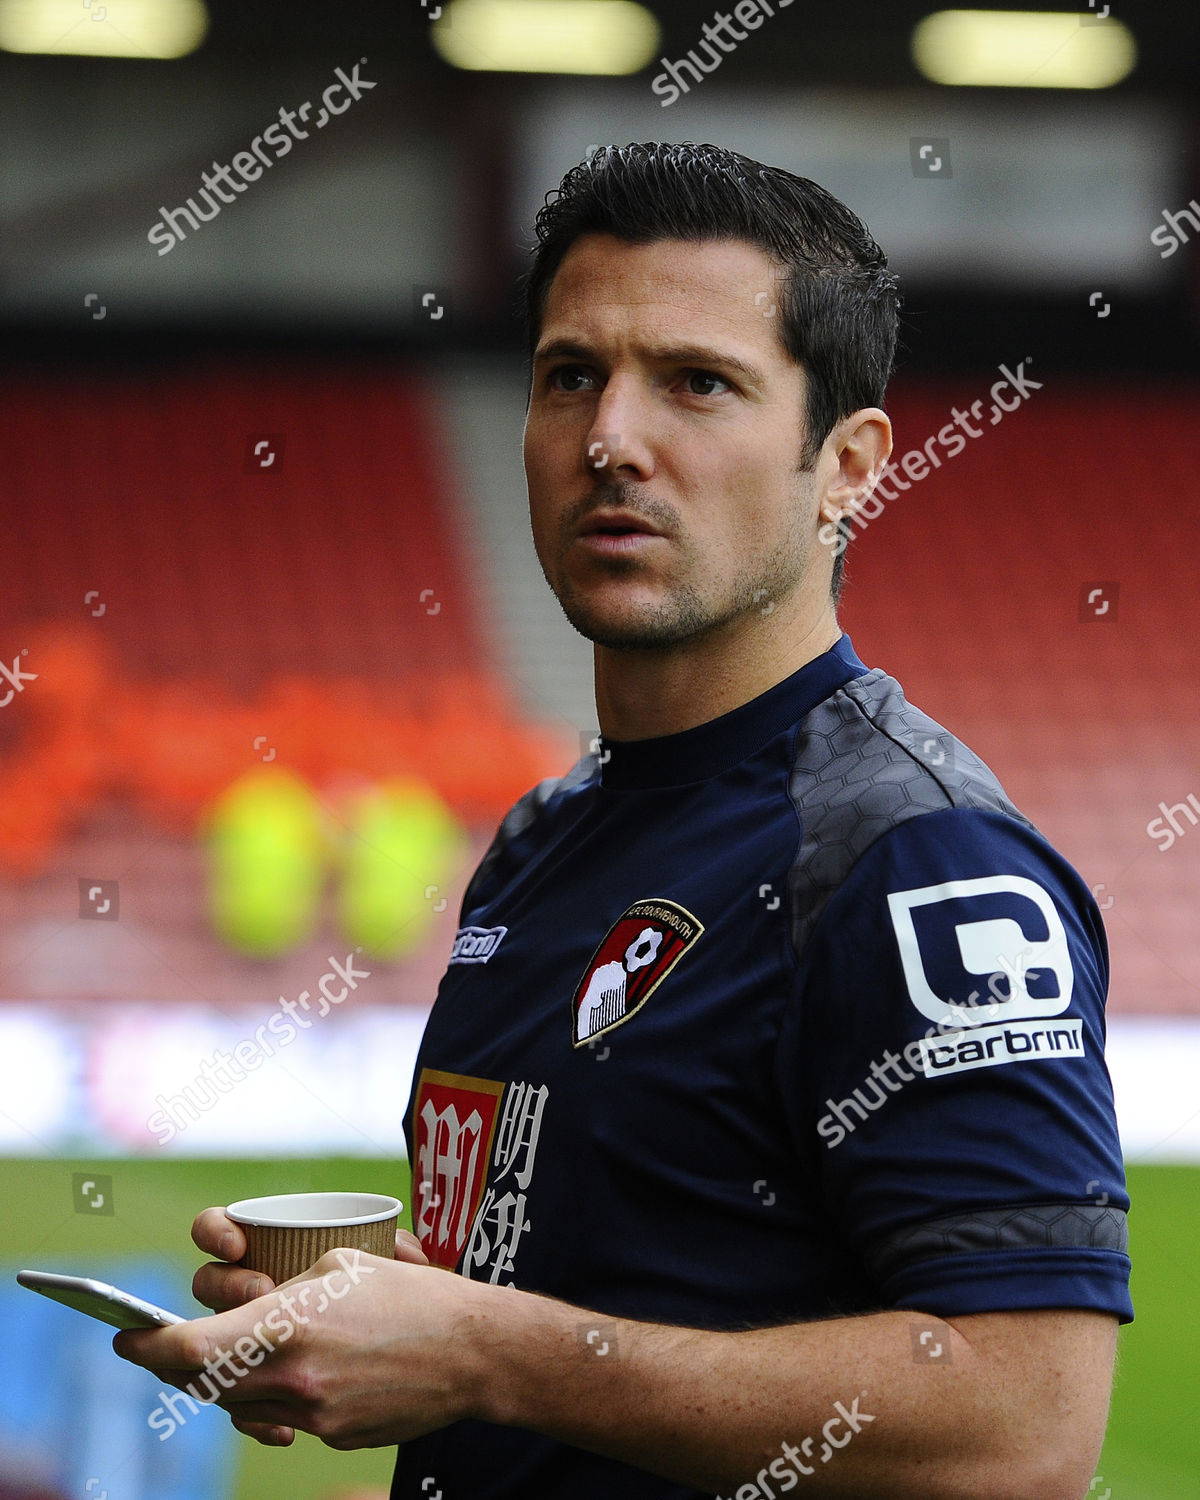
866,761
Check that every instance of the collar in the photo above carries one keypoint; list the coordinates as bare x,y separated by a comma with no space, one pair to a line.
708,749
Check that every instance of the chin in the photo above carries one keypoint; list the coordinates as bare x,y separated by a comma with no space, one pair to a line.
632,630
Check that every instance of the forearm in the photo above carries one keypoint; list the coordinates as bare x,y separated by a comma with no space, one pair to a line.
716,1410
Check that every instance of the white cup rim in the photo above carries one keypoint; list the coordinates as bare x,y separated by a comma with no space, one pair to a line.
313,1210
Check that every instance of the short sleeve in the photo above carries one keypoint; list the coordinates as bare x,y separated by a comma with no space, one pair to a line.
942,1064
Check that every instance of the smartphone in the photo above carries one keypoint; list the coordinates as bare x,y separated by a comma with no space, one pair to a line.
99,1300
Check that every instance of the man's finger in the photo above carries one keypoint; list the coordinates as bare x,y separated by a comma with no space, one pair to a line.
408,1248
220,1287
185,1347
216,1234
266,1432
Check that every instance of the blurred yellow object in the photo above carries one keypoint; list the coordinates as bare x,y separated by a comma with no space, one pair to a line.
403,847
547,36
137,28
267,848
1024,49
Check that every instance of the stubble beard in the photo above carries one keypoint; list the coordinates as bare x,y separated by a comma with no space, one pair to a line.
684,615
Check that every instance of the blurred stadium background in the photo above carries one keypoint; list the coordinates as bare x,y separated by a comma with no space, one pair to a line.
279,655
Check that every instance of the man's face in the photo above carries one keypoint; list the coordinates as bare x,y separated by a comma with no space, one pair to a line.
658,363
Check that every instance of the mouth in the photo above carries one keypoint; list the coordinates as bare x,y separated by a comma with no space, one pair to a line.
614,542
615,526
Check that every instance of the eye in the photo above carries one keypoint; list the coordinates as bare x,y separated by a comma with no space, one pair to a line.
561,376
705,377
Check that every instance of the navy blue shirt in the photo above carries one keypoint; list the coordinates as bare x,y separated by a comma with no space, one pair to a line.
787,1016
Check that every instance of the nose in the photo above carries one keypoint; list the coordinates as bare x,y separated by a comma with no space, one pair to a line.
618,442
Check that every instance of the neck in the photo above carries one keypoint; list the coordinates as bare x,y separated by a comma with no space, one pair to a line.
644,694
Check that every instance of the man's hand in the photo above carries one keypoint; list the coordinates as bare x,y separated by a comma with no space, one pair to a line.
223,1287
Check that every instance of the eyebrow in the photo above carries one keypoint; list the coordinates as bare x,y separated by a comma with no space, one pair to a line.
699,355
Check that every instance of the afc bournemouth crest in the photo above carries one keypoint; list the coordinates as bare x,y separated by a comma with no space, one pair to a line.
642,947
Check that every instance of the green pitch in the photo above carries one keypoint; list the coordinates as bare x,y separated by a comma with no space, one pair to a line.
1153,1447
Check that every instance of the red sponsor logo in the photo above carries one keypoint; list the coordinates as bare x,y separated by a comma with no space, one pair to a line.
454,1120
642,947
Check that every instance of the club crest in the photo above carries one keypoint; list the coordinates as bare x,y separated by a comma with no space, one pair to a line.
642,947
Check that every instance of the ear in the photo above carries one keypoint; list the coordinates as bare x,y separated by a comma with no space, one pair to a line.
858,448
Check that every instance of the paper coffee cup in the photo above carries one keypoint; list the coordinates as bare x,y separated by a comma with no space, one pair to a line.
288,1232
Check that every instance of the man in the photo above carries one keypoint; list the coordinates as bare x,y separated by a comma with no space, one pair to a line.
762,1110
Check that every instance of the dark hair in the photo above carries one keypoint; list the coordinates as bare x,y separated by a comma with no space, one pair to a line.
839,302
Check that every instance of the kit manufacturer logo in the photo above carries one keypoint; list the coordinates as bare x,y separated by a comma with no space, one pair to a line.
475,945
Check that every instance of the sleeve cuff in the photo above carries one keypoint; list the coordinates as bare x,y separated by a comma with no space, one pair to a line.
955,1285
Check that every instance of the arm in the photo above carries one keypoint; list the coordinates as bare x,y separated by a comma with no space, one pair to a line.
1015,1405
1014,1408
